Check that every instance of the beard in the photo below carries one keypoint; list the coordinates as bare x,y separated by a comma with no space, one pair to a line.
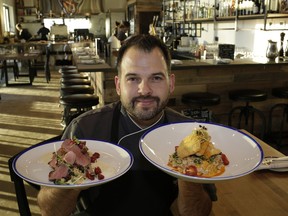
145,113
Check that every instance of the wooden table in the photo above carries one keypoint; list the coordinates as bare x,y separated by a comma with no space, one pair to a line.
260,193
21,57
103,67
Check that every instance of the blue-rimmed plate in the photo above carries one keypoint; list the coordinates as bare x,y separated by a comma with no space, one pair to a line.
32,164
243,152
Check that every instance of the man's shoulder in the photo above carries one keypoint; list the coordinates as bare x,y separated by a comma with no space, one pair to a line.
93,124
99,113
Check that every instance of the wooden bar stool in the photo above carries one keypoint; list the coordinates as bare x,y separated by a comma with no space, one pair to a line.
277,132
77,81
76,89
197,101
68,71
67,67
74,76
76,104
247,112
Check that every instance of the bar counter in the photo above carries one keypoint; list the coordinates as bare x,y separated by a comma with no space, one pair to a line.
207,75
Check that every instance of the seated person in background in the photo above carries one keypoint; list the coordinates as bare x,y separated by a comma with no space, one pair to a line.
144,83
24,34
43,32
122,31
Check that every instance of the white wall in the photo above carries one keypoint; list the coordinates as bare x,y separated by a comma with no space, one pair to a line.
249,34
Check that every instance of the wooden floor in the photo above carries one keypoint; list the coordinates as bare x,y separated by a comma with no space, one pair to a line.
28,115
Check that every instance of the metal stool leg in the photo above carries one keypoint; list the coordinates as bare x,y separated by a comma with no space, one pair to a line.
263,120
231,114
248,112
279,134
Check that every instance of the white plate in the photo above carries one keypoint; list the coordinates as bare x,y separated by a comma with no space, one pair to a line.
32,164
176,62
224,61
243,152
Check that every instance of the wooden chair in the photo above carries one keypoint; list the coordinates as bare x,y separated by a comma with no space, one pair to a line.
19,186
44,66
14,67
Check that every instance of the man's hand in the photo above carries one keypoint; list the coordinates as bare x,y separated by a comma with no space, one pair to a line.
192,200
57,202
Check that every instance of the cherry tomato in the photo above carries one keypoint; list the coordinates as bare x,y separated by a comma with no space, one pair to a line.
100,176
97,170
90,176
224,159
94,157
191,170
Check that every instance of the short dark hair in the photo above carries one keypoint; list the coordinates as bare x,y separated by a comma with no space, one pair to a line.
145,43
126,23
18,25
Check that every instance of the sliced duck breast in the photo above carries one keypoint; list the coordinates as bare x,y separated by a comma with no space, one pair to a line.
70,157
59,172
81,159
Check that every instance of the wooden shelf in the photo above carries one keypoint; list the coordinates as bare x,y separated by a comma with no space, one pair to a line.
229,19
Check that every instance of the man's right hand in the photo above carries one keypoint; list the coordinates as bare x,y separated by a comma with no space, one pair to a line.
57,202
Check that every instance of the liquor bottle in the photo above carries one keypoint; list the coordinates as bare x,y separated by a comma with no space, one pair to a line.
274,6
262,7
256,7
281,51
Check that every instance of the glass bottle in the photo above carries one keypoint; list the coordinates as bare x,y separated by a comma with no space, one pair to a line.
281,51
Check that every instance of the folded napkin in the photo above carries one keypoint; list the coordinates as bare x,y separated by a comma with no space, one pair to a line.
224,61
34,51
100,61
81,53
274,163
87,61
176,62
84,57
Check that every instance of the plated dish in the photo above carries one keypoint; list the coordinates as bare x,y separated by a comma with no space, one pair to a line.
244,153
32,164
87,61
176,62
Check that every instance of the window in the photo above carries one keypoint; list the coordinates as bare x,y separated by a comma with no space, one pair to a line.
8,19
74,23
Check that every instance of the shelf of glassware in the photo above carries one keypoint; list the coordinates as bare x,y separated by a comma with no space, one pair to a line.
241,17
184,15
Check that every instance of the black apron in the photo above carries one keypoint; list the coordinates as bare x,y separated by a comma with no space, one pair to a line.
143,190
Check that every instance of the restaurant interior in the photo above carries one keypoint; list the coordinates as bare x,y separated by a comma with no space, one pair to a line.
230,59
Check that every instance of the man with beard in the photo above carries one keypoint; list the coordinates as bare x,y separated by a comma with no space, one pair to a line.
144,83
